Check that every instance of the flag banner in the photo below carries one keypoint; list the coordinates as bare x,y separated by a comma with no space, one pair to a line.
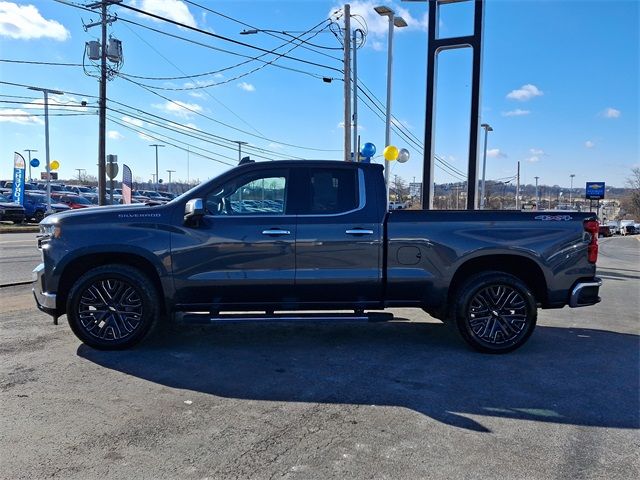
18,178
127,184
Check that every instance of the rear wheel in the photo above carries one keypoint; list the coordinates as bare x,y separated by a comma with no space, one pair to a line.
38,216
495,312
112,307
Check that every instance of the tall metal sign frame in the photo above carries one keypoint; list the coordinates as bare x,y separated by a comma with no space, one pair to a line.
434,47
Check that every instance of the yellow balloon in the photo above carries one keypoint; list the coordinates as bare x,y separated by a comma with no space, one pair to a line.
390,153
54,165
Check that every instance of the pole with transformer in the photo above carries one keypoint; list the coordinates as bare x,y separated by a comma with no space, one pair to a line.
102,101
169,184
518,188
347,83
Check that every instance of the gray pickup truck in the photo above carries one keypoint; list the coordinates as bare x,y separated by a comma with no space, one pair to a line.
294,236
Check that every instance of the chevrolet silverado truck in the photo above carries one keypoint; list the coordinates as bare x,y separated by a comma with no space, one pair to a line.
294,236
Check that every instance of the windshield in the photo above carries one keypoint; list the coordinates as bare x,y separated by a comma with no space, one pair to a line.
4,199
80,200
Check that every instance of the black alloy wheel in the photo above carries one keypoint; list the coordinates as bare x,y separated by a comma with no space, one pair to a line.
112,307
495,312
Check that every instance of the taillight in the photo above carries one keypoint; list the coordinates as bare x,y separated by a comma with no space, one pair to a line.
593,228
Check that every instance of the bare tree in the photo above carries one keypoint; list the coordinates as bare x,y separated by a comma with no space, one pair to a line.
631,202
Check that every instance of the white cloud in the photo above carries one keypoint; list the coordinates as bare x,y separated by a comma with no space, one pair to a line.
589,144
611,113
196,94
19,116
496,153
533,159
60,102
247,87
114,135
518,112
132,121
175,10
180,109
276,146
378,26
24,22
146,138
537,152
524,93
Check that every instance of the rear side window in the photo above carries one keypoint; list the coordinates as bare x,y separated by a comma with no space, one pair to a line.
332,190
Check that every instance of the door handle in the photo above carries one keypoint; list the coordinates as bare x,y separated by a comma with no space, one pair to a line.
274,231
359,231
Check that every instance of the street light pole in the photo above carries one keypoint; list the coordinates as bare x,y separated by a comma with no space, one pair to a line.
29,151
487,129
398,22
46,93
537,198
571,191
156,145
169,184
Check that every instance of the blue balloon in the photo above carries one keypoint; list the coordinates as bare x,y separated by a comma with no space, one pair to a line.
368,150
34,162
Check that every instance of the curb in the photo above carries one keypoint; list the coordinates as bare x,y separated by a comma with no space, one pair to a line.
34,229
15,284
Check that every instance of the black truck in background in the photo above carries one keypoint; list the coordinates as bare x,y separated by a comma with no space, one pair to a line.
310,235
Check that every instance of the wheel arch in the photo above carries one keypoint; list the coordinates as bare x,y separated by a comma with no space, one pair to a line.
85,262
524,268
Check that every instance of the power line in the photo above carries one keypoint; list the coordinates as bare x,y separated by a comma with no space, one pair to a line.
221,37
226,124
33,62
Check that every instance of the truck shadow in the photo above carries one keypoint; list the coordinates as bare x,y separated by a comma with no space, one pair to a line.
563,375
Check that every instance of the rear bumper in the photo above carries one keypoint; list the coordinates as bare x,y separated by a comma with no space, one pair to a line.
585,293
46,301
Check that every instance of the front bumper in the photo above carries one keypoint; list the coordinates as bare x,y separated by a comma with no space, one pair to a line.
46,301
585,293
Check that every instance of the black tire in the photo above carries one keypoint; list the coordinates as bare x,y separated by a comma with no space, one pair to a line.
38,216
495,312
112,307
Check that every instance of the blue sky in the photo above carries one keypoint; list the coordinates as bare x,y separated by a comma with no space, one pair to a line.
560,87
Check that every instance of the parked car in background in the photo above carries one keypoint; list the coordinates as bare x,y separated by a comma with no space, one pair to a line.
35,206
74,201
168,195
630,230
397,205
604,231
80,189
10,211
624,224
613,226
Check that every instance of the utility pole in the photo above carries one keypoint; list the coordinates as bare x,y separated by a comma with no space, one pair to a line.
169,184
518,188
347,83
157,177
239,148
29,151
537,197
356,150
80,170
102,106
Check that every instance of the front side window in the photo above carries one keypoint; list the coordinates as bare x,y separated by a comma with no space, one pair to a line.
261,193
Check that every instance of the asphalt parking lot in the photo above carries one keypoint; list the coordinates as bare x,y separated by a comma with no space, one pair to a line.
403,400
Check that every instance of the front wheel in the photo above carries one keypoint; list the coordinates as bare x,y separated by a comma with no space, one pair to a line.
495,312
112,307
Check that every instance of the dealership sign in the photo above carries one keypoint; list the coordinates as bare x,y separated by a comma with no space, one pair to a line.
595,191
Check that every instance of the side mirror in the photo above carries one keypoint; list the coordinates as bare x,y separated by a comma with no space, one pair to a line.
193,211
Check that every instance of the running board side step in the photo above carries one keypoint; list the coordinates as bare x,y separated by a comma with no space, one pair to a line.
205,318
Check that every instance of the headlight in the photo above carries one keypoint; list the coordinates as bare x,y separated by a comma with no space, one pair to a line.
50,230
